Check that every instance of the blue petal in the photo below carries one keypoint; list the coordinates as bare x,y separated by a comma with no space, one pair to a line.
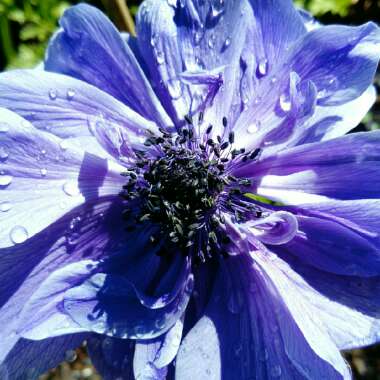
342,168
68,107
340,60
201,36
41,172
90,48
347,306
29,359
153,356
253,328
84,233
95,306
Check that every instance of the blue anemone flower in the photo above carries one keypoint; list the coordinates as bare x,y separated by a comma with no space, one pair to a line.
186,201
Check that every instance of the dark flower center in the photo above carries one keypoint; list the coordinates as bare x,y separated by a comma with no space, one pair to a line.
184,189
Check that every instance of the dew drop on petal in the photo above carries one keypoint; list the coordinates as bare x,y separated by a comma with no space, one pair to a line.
253,128
71,188
53,94
262,68
18,234
43,172
160,57
63,145
5,206
70,94
5,180
285,103
226,43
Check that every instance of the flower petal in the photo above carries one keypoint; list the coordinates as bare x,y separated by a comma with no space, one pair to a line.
95,306
40,172
152,356
251,328
342,168
68,107
85,233
90,48
208,35
321,60
340,60
347,306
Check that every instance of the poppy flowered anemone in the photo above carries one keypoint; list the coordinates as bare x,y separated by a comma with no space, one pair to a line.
186,201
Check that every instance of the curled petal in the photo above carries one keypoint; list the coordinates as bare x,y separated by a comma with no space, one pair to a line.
278,228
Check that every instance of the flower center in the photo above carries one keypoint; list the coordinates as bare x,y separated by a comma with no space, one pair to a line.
184,189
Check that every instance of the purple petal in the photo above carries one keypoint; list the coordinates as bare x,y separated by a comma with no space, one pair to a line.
340,60
199,36
152,356
43,315
347,306
253,327
85,233
95,306
42,172
68,107
333,247
343,168
90,48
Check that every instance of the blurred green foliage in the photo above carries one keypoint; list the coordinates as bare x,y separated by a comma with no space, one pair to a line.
25,27
320,7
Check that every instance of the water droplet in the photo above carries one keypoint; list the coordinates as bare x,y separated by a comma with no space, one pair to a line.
74,224
262,68
18,234
43,172
273,80
70,356
172,3
226,43
70,94
5,180
216,9
5,206
160,57
285,103
4,127
211,41
198,34
71,188
276,371
52,94
154,40
3,154
63,145
253,128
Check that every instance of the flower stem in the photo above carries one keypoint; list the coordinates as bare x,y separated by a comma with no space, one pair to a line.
120,12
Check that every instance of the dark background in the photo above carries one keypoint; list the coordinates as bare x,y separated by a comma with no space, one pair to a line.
25,27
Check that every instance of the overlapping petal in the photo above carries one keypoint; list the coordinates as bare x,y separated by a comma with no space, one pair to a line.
70,108
252,320
113,69
41,172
